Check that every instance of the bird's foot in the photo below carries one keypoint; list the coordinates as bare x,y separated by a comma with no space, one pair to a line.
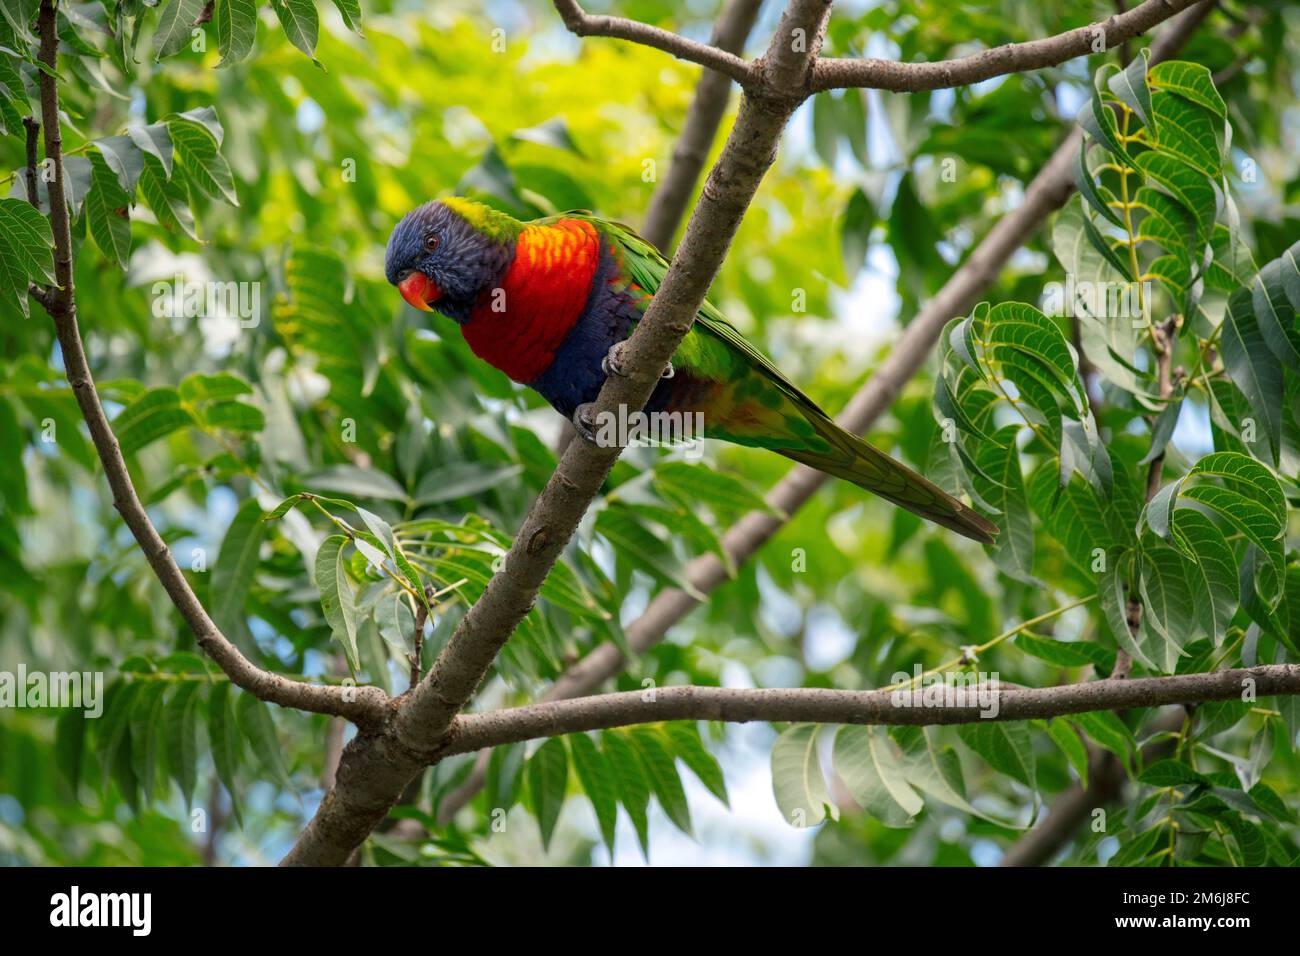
612,363
584,421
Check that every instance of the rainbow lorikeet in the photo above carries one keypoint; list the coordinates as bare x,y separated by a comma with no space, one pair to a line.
549,302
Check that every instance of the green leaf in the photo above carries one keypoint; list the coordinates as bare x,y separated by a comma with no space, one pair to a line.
640,548
504,767
548,777
174,26
1135,851
205,117
684,738
236,25
223,734
26,244
108,212
1106,248
797,779
1249,837
1188,186
180,735
864,758
146,735
1254,369
633,787
1170,773
351,12
1107,731
154,140
200,387
354,480
70,745
1212,571
232,574
463,479
1191,81
1099,122
168,200
124,158
1130,85
935,770
1166,600
553,133
691,484
1272,293
1006,746
1071,744
598,782
1002,485
1065,653
855,232
1246,494
1090,191
301,25
256,721
1186,131
196,152
661,771
156,413
338,599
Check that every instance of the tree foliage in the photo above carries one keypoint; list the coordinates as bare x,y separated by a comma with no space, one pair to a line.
329,467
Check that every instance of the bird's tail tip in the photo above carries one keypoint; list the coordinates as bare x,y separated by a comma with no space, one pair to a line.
970,523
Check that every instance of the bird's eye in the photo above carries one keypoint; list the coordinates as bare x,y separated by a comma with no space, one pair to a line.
430,242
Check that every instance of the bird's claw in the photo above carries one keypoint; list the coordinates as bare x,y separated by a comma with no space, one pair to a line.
612,363
584,422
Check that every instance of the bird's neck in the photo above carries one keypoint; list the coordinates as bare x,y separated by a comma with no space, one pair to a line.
518,322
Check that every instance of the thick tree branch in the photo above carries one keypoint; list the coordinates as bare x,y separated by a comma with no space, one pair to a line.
820,705
834,73
365,705
376,767
668,204
586,25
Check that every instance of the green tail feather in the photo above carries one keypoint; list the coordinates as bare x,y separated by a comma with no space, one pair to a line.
854,460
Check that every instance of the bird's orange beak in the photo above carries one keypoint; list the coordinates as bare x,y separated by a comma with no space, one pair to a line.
419,290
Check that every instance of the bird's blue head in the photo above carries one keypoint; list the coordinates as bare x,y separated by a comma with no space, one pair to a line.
447,253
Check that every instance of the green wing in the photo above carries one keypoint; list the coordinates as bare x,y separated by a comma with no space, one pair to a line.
787,420
646,267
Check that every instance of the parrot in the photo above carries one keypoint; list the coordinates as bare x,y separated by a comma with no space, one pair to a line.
550,302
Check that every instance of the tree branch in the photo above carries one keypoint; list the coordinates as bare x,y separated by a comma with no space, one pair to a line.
364,705
834,73
878,707
586,25
668,204
33,127
376,767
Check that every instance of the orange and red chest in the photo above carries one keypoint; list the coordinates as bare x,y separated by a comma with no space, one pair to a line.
518,326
